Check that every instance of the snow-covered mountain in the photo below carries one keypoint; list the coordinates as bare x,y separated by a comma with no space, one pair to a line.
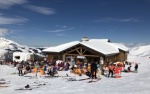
7,45
138,49
11,45
132,45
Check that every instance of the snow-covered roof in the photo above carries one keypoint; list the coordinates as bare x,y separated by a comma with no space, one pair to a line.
61,47
120,46
100,45
20,53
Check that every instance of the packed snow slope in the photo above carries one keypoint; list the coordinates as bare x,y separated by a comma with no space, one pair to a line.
129,83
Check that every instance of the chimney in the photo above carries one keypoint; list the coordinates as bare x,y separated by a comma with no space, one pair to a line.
84,39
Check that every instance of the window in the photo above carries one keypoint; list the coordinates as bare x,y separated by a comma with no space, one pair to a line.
17,57
55,57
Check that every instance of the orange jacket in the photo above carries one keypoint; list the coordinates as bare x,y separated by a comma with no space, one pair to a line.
111,67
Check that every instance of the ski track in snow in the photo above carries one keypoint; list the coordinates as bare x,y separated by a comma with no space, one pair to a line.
130,83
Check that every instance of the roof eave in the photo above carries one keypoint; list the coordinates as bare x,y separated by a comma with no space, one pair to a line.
112,54
50,51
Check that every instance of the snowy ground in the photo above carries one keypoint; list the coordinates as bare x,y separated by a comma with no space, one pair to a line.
130,83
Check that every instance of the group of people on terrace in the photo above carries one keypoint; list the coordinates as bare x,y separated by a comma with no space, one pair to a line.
93,69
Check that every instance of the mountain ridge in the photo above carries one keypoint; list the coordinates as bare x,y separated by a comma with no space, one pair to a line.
10,46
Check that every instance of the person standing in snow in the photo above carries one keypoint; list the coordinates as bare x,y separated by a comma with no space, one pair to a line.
106,70
136,67
93,70
45,67
117,70
99,72
129,69
20,68
1,62
67,66
111,70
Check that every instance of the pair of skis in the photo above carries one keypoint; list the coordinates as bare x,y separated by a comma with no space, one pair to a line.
30,88
90,80
4,83
36,85
93,80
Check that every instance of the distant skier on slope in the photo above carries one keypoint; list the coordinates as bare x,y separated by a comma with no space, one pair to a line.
136,67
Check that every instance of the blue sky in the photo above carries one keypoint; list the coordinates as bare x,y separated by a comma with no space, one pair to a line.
53,22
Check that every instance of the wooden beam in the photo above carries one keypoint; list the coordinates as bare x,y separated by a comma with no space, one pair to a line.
84,51
72,49
83,55
81,51
78,51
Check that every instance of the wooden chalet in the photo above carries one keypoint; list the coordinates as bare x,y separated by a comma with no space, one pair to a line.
87,51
